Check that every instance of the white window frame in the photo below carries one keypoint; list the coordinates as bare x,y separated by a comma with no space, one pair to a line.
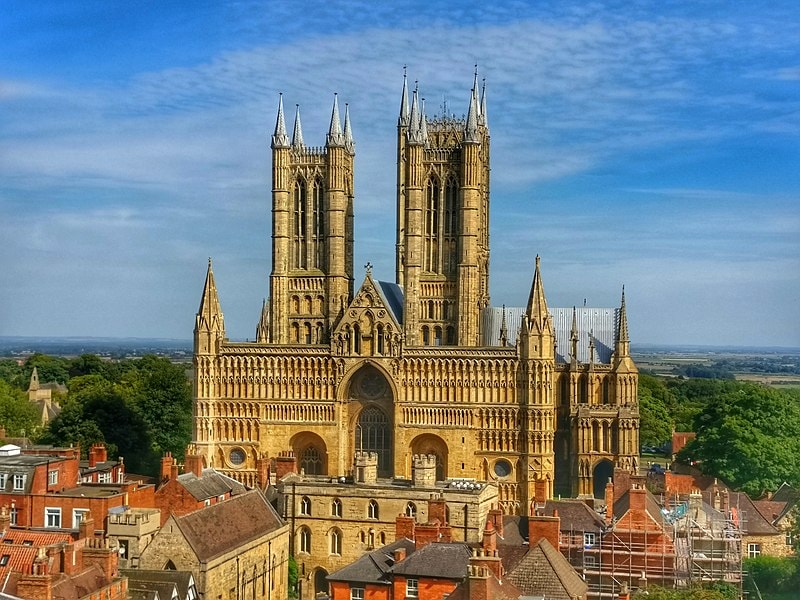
356,593
19,482
52,517
412,588
78,515
52,477
104,477
589,561
3,481
589,539
14,516
753,550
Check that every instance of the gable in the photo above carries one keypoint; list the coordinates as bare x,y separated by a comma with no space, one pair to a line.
369,325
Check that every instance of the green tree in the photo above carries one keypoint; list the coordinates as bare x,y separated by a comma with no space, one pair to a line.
50,368
772,574
19,416
749,435
656,423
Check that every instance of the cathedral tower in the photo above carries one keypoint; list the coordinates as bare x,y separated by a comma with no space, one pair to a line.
442,221
312,231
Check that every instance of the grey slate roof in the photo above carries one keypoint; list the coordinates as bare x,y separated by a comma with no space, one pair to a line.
181,579
442,560
164,589
600,322
372,567
393,298
211,484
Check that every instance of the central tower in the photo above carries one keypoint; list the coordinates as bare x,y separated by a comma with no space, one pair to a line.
442,249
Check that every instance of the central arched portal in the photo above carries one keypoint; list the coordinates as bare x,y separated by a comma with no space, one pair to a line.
371,410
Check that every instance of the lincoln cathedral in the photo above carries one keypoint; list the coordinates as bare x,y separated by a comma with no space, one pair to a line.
424,364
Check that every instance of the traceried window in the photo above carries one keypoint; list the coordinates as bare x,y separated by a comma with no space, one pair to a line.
450,226
311,461
374,435
372,510
336,508
336,541
431,239
411,509
305,505
300,225
304,539
318,224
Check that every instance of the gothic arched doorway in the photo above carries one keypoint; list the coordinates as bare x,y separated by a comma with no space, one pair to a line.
311,453
320,581
603,471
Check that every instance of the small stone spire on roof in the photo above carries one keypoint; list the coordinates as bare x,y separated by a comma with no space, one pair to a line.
297,134
209,315
414,132
348,132
573,336
423,124
280,139
484,118
262,329
538,312
404,114
34,384
471,129
591,347
623,342
335,135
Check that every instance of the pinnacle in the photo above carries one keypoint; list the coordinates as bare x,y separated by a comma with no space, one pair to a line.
280,139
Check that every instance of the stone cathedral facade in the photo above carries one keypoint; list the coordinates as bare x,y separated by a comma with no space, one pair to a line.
421,365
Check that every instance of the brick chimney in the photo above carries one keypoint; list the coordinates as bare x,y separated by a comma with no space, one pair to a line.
399,555
166,466
98,552
496,517
92,457
489,541
540,491
193,462
5,520
541,526
610,498
100,453
262,472
37,584
86,527
427,533
622,483
404,527
437,509
478,583
285,463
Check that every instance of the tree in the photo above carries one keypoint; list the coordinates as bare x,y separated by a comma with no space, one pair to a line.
655,420
19,416
749,435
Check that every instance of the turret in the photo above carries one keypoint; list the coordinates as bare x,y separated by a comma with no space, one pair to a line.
622,344
209,329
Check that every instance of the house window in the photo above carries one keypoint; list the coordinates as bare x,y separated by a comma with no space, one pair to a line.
19,482
305,505
336,541
588,540
590,562
753,550
305,540
356,593
789,539
104,477
14,516
78,515
52,477
372,509
336,507
3,480
412,588
52,517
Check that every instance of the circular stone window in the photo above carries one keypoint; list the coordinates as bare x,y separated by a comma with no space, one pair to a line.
502,468
237,457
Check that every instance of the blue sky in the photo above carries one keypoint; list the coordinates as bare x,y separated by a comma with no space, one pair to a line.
655,145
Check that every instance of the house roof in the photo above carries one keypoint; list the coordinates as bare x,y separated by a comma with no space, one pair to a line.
575,515
544,571
78,586
165,589
440,560
751,521
373,567
182,579
622,506
210,484
225,526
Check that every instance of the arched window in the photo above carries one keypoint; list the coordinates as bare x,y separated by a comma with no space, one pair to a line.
305,505
307,333
296,333
373,434
336,541
450,233
411,509
318,208
372,510
304,539
431,239
300,225
336,507
311,461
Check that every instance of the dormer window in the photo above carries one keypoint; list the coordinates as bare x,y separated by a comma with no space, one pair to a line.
19,482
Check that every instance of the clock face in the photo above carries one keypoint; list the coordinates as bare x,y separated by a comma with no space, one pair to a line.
236,456
502,468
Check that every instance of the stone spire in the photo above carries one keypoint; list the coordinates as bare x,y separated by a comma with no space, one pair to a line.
538,312
423,124
209,326
414,132
471,129
349,144
335,135
404,114
573,337
280,139
484,117
34,385
297,134
262,330
623,342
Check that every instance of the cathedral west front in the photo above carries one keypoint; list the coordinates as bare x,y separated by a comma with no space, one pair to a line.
422,365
